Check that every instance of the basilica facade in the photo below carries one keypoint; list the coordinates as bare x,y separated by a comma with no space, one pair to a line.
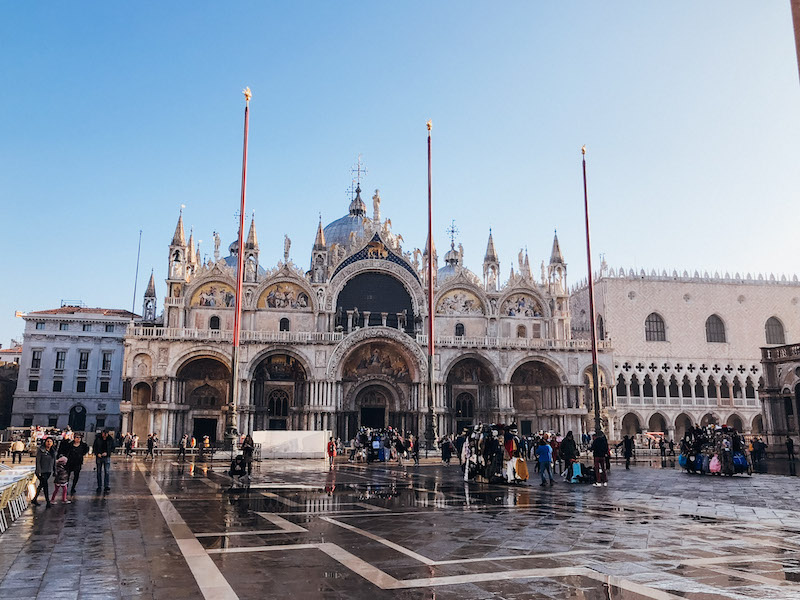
343,344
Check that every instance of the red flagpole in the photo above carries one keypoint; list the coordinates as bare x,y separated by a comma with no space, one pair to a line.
232,426
430,431
592,317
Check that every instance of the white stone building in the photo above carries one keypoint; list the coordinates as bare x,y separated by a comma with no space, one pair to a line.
687,348
343,344
71,368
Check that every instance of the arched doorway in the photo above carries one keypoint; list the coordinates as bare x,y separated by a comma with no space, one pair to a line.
468,392
378,377
758,425
682,424
735,422
708,419
657,424
537,397
373,406
631,425
278,392
77,418
205,383
140,417
374,299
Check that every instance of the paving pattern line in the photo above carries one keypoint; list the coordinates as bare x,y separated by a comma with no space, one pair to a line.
210,580
380,540
384,581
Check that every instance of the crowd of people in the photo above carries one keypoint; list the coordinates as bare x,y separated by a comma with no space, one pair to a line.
714,449
63,462
496,453
380,445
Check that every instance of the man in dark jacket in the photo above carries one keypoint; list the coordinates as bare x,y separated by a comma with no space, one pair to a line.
599,449
628,446
102,448
75,452
568,449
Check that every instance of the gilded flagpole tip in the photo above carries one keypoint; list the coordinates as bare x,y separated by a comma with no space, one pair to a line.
430,125
583,150
247,94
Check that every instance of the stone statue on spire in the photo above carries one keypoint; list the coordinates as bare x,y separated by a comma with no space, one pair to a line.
216,246
287,244
376,207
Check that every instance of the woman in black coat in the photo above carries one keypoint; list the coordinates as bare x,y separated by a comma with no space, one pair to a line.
45,463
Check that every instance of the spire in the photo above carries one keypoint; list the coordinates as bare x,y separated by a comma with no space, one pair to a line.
179,239
252,240
491,253
425,252
319,241
527,265
191,255
150,292
556,256
357,206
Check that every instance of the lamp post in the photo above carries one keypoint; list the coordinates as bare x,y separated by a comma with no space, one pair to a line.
430,432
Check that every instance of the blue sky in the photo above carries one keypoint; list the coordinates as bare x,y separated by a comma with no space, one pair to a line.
113,115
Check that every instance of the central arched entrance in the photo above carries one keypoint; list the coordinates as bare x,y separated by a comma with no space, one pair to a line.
378,381
538,398
373,406
205,383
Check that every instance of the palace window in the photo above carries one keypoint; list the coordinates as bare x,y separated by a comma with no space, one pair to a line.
103,387
107,361
621,390
522,331
459,330
61,358
647,387
601,328
278,403
715,330
110,328
83,360
36,359
774,331
57,383
52,421
284,325
699,390
39,325
81,386
63,326
87,327
213,322
33,385
654,329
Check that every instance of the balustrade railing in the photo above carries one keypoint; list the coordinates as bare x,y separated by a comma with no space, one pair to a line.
182,333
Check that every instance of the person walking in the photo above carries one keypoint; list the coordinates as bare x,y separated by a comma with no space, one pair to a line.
248,448
60,480
544,453
331,452
599,450
102,448
569,450
414,449
672,447
447,450
75,453
128,443
628,447
182,447
151,444
45,462
790,447
17,448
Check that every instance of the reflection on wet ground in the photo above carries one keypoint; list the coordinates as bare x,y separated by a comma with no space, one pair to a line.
384,531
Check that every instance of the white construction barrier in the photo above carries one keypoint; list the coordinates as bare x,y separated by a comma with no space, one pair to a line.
292,444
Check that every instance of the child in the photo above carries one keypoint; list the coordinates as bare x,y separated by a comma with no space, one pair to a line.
61,480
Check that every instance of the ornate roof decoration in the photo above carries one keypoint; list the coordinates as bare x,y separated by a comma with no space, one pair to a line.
555,256
376,249
252,240
178,238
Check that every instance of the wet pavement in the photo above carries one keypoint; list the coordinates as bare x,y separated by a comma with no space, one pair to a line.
170,530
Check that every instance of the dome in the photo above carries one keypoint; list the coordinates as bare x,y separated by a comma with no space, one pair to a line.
339,231
446,272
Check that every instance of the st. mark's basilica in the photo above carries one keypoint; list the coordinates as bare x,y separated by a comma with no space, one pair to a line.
343,344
